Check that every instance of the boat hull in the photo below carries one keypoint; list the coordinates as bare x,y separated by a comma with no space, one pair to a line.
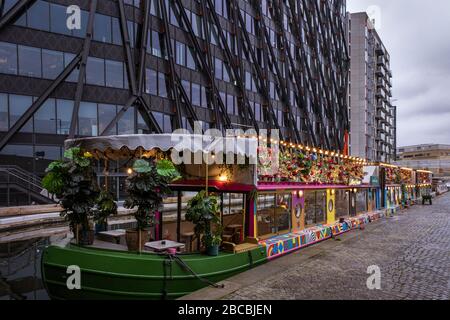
107,274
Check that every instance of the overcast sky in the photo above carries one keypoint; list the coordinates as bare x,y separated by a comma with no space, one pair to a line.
417,35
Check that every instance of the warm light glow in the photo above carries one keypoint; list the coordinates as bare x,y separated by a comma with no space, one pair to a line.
129,171
300,194
333,192
223,178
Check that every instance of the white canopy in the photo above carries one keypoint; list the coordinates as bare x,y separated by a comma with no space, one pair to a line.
138,145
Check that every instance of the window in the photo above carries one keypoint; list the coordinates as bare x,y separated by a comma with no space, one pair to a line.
190,63
156,44
342,203
45,118
106,113
17,107
30,61
273,214
73,77
230,104
164,121
162,89
52,63
48,152
180,53
154,8
114,74
3,112
38,16
102,28
218,68
8,58
204,99
84,20
187,88
258,112
315,204
151,82
361,201
142,127
58,22
126,123
64,110
95,72
116,33
196,95
87,119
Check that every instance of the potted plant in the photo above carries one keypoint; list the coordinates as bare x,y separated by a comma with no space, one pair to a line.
105,207
146,187
73,181
203,213
212,242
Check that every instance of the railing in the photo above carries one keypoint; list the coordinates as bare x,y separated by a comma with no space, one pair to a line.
29,183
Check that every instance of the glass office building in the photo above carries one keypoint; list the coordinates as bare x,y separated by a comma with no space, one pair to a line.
158,65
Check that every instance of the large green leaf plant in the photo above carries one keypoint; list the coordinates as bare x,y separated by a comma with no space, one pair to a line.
74,182
147,186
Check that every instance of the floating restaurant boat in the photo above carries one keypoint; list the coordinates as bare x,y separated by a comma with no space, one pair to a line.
313,195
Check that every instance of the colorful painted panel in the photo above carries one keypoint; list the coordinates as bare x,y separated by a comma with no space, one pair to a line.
283,244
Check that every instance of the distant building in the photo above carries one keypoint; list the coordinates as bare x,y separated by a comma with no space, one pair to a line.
434,157
371,113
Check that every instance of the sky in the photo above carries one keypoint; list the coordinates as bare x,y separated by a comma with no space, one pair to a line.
417,35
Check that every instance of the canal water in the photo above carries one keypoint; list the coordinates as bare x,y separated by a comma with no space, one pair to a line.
20,267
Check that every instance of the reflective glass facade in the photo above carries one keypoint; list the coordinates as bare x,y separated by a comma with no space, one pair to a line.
287,70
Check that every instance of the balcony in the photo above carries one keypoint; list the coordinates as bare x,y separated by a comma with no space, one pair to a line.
379,50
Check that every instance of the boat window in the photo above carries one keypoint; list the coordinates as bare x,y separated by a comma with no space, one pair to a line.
342,203
361,201
274,213
315,207
233,217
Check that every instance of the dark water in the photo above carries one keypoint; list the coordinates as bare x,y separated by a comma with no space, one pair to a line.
20,268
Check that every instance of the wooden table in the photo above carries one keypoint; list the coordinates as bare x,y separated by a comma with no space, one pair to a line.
163,245
113,234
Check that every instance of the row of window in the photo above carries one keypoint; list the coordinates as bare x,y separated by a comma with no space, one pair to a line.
55,115
48,64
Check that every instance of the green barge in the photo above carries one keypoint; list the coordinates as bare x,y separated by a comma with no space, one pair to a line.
110,274
263,217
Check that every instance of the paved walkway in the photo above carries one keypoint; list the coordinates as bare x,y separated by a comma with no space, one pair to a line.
411,249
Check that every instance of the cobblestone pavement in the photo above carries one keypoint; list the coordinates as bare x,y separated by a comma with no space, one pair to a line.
411,249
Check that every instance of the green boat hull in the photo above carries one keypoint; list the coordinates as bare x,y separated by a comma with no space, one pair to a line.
107,274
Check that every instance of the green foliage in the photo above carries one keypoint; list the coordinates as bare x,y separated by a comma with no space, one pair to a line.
105,206
74,182
166,168
203,211
147,188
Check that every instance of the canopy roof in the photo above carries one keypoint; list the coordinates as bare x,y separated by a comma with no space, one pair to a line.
145,145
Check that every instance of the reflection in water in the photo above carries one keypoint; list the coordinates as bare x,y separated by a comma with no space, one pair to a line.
20,268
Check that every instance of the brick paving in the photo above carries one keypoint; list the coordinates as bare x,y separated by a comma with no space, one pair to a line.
411,249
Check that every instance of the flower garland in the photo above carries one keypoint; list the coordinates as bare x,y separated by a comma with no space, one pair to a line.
309,167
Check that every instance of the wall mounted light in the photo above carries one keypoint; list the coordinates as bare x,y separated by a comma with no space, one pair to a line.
129,171
300,193
333,192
